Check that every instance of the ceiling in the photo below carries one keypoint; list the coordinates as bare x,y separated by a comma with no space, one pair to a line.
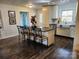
35,2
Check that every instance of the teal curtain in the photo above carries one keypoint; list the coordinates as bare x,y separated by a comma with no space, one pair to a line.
24,19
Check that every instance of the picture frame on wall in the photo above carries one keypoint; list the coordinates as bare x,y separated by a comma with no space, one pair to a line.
12,17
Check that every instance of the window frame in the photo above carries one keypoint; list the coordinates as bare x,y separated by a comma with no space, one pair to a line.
65,17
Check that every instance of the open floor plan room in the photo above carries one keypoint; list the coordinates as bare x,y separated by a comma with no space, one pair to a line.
39,29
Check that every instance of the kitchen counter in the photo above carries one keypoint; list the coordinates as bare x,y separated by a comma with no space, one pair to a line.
66,31
50,33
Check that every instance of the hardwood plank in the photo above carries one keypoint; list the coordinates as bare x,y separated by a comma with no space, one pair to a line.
10,48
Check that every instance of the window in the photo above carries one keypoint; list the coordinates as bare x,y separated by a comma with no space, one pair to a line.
67,17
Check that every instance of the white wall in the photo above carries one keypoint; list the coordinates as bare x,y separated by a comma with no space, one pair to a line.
11,30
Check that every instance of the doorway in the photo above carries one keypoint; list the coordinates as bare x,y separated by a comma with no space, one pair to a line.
24,19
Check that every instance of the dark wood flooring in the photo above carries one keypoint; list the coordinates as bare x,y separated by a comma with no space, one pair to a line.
12,48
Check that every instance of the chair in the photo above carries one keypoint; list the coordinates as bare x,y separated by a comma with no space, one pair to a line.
40,37
32,34
19,31
23,31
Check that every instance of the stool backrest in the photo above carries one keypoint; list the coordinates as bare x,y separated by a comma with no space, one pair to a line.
22,29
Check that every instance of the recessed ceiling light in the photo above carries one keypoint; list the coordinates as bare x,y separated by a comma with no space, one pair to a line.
29,5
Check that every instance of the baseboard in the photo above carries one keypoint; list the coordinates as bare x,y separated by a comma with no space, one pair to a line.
65,36
8,37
